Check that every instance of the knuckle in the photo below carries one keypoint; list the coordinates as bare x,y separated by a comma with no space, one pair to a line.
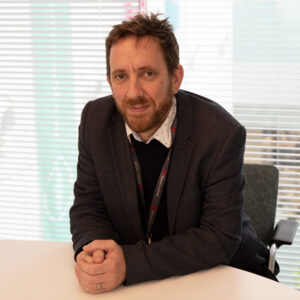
80,256
80,263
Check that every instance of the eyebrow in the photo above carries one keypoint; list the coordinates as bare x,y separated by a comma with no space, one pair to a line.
118,71
143,68
147,68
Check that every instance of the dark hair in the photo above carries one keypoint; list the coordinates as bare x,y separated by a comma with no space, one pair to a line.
147,25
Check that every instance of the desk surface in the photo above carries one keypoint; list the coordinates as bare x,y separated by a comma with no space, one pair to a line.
45,270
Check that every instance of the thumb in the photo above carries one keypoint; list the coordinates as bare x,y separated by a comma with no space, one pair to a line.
98,256
91,247
104,245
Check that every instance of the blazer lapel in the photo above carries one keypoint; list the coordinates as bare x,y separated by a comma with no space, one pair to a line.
180,158
182,150
124,173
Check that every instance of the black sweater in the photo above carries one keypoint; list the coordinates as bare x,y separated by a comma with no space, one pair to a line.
151,158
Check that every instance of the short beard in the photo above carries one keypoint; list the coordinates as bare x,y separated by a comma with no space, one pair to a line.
140,124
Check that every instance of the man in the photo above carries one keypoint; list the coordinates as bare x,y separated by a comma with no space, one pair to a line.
159,189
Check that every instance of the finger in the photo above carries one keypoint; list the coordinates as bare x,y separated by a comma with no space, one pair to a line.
88,259
92,268
92,288
98,256
97,288
80,256
84,256
88,284
89,279
105,245
76,272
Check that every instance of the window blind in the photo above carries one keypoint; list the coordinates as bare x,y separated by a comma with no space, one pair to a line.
52,61
245,55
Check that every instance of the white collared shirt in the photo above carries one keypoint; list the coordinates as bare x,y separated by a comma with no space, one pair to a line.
163,134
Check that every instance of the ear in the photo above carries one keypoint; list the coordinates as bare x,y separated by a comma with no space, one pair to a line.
177,78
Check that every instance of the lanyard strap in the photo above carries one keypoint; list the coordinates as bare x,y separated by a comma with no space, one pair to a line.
159,185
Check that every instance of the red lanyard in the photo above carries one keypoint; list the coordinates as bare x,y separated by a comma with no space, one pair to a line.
159,185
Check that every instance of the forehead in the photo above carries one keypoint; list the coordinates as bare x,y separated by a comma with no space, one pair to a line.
136,51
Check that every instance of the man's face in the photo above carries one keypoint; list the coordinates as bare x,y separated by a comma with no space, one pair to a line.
140,83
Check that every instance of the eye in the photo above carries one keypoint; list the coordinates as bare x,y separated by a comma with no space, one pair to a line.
149,74
119,77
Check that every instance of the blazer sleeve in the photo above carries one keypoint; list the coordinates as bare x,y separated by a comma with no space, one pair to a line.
88,216
218,235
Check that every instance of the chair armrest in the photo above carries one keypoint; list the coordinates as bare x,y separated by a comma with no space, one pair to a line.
284,233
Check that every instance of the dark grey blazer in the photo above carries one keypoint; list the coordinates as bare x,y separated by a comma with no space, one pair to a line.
205,183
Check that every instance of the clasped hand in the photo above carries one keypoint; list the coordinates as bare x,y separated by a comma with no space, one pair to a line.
100,266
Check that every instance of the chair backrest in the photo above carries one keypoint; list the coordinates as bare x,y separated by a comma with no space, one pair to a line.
261,188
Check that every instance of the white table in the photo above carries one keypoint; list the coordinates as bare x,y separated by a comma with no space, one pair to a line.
45,270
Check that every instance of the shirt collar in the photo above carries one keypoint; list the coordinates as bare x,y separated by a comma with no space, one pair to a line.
163,134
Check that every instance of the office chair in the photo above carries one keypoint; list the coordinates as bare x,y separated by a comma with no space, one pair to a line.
261,187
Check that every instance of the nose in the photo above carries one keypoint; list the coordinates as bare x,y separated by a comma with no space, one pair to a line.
135,89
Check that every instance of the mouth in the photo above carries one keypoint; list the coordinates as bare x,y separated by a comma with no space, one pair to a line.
138,108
